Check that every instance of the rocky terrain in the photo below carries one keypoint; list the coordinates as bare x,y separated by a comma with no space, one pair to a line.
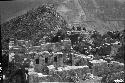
88,40
92,14
101,15
33,25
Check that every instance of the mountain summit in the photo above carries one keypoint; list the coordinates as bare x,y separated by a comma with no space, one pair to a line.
36,22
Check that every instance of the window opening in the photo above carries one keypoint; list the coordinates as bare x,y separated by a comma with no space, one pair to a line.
46,60
37,61
55,59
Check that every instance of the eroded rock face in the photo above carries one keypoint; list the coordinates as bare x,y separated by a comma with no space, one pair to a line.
92,13
71,10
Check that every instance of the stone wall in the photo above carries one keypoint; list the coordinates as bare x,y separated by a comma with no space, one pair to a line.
102,67
99,67
115,66
71,71
79,59
36,78
50,60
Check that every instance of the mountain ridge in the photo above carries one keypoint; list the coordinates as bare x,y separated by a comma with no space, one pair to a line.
87,16
42,20
97,14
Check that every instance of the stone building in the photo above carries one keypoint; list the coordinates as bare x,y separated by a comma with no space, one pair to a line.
44,59
58,59
66,45
79,60
114,48
99,67
41,60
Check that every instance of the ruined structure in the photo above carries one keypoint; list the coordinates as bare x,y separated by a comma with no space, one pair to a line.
44,59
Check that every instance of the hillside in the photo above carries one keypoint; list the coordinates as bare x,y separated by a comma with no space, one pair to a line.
94,14
34,24
100,15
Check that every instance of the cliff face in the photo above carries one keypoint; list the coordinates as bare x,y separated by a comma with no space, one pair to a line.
101,15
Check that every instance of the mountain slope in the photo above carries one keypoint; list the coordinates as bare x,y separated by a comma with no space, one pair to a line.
105,17
93,14
96,14
36,22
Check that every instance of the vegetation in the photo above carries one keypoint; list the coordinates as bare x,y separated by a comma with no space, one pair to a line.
33,25
39,23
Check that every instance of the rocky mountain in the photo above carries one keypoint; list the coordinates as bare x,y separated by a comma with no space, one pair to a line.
33,25
100,15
